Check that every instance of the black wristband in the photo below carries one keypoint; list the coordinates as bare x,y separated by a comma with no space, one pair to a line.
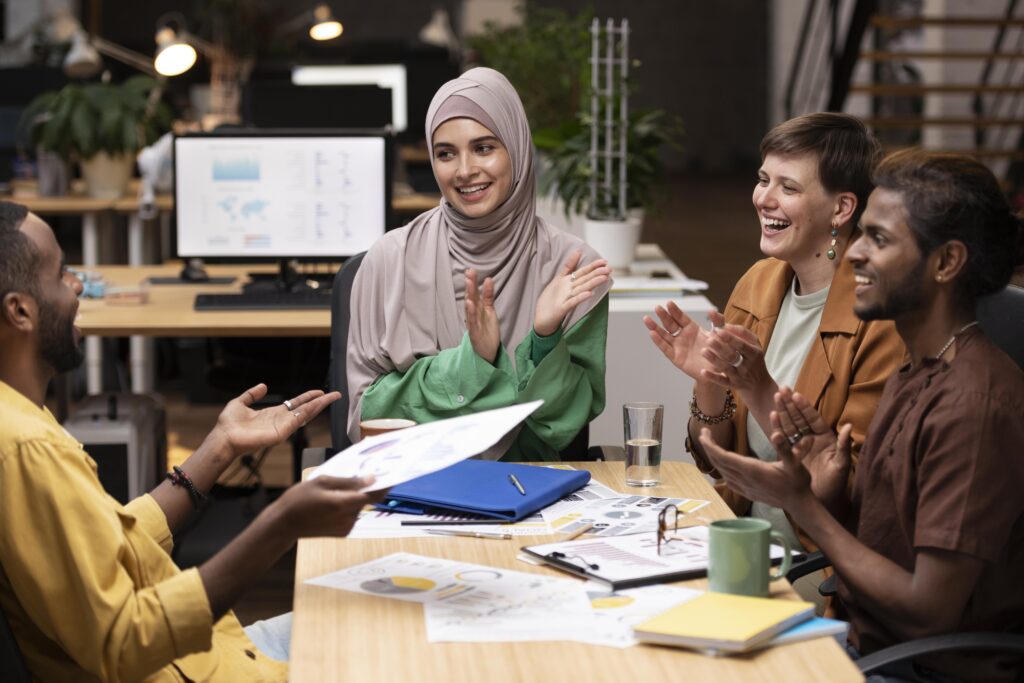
179,478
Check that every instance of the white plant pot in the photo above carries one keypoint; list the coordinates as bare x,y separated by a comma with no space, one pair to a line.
107,177
614,240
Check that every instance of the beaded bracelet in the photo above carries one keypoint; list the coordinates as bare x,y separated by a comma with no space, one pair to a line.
179,478
727,412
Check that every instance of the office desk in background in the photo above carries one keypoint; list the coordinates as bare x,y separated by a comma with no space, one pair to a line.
343,636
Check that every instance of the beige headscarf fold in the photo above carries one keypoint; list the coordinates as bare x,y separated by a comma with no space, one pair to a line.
408,296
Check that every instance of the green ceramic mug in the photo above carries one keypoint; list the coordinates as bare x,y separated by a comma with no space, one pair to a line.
738,559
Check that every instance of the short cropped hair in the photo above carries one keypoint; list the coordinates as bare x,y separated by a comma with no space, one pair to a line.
847,152
955,197
19,258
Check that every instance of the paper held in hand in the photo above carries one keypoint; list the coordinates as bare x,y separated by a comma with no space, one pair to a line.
399,456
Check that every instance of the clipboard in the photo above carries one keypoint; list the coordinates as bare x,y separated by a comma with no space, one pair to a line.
631,561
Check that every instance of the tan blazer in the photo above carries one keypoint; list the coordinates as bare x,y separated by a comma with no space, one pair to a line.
845,369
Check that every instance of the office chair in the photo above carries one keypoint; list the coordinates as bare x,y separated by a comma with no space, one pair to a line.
1001,317
337,377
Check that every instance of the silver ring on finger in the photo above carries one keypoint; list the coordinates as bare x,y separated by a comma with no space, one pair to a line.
805,430
677,332
572,276
793,438
739,361
288,404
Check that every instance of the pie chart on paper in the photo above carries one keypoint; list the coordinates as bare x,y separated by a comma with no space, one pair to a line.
398,585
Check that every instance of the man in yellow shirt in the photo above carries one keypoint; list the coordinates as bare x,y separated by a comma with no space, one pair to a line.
88,585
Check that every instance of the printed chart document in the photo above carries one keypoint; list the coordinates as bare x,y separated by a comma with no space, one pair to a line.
471,602
397,457
616,516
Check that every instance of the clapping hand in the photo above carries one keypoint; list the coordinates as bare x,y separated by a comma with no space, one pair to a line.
481,318
735,359
240,429
780,484
826,455
679,338
570,288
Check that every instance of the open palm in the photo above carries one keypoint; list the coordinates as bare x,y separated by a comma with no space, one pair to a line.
679,338
246,430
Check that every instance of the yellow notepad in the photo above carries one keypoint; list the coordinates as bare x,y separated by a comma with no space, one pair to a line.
723,622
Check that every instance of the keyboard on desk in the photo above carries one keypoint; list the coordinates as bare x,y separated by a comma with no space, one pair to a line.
272,300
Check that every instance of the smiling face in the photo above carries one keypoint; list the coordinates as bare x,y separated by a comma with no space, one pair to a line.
794,209
57,300
472,167
887,263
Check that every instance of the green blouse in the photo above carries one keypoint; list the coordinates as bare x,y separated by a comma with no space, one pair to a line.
565,369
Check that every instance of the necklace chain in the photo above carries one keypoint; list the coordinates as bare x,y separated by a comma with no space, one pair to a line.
953,339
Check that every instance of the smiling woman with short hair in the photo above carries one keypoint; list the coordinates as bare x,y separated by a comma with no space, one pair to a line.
790,318
479,303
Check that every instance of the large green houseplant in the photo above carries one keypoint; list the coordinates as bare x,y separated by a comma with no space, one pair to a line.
102,126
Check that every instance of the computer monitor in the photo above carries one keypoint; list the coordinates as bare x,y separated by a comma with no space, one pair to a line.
386,76
276,104
250,195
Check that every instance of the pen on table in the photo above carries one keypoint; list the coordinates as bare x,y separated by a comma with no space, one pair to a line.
447,522
471,534
515,482
580,532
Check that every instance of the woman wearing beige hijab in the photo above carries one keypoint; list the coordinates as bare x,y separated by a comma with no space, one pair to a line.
478,303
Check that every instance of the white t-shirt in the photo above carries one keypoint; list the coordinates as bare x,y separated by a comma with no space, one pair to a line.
795,331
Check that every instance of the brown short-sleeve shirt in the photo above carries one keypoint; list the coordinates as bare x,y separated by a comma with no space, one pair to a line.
943,467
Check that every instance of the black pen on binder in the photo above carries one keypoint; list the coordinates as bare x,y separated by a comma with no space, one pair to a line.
515,482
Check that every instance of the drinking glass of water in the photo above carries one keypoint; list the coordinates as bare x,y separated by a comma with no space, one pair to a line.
641,423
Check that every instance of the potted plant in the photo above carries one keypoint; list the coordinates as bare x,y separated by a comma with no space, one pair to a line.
567,175
100,125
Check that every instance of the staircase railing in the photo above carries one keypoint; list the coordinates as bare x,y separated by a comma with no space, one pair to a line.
822,21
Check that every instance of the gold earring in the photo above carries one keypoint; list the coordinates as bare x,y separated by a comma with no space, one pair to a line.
938,278
831,253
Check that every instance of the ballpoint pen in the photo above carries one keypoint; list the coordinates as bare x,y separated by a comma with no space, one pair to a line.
580,532
471,534
515,482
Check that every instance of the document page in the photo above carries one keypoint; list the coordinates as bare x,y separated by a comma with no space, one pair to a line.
398,456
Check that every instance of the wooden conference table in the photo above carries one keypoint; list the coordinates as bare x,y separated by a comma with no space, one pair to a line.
343,636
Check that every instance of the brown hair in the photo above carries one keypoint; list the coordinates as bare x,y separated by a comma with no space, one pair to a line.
955,197
847,153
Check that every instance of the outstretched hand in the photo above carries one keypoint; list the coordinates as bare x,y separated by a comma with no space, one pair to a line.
242,429
481,318
679,338
570,288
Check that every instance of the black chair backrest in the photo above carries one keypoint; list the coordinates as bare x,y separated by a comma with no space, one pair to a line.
337,378
1001,316
12,666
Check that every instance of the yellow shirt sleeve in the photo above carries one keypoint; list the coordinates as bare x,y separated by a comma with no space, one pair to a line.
150,516
91,574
